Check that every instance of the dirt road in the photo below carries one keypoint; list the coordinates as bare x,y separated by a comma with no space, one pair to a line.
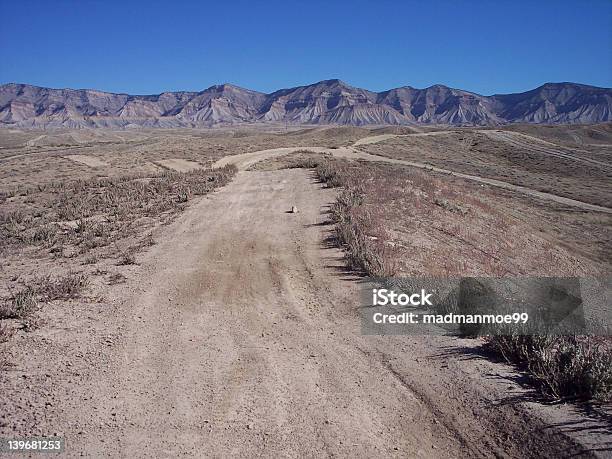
542,147
516,139
240,337
243,161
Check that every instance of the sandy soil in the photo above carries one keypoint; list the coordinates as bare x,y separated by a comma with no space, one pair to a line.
240,336
88,160
178,164
375,139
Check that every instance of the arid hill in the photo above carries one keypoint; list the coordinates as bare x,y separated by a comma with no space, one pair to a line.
325,102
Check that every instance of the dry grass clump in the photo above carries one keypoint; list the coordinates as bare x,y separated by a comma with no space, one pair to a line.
299,159
306,163
116,278
127,258
60,288
20,305
363,235
6,334
576,367
335,174
43,289
359,229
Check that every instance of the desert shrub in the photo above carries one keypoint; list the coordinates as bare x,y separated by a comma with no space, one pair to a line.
363,251
349,198
127,258
578,367
73,206
61,288
450,206
90,260
20,305
116,278
14,217
83,226
330,173
148,240
362,234
304,163
182,196
45,235
6,333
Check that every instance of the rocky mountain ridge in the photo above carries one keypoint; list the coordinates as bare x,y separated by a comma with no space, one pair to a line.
325,102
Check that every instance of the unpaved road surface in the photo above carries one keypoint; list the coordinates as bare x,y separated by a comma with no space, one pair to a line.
240,337
178,164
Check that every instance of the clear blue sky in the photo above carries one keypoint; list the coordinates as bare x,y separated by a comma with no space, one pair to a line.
145,47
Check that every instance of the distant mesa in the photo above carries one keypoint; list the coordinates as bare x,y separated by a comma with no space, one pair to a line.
326,102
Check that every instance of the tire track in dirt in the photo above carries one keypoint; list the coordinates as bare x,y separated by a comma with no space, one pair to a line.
540,146
271,374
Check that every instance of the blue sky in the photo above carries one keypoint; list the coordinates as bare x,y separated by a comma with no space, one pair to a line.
145,47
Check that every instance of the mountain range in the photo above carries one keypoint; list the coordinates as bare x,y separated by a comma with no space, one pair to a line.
325,102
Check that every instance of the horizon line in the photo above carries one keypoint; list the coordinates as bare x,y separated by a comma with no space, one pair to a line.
301,86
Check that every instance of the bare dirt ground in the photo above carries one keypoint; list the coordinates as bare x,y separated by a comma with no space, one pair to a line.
177,164
241,337
581,172
88,160
238,332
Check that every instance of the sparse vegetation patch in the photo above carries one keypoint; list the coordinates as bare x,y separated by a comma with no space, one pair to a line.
60,288
20,305
575,367
88,221
83,216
